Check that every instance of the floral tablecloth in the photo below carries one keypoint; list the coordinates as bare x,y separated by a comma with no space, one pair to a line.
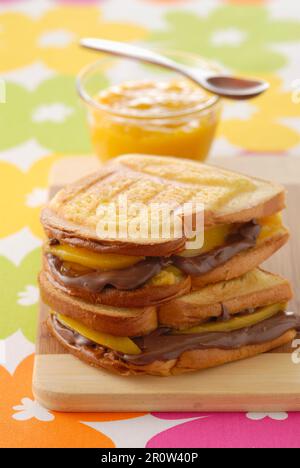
42,121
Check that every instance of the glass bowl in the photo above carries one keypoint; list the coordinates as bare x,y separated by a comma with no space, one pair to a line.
186,132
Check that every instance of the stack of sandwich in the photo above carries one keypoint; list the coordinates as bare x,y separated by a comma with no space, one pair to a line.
154,306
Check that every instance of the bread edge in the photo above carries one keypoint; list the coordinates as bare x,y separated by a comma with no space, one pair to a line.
188,361
142,323
180,314
242,262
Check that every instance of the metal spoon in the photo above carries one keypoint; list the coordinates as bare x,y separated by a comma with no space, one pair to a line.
220,84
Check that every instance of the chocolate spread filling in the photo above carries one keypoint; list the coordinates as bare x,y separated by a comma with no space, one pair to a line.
96,280
72,337
161,345
242,239
225,315
137,275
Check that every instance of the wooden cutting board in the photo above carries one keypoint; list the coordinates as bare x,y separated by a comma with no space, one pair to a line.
269,382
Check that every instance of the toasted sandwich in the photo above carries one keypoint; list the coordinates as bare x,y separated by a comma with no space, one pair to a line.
217,324
156,305
242,228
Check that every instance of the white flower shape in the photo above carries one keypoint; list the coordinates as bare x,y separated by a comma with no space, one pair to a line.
238,110
37,197
29,296
16,246
281,416
25,155
231,37
30,409
13,350
56,38
30,76
56,112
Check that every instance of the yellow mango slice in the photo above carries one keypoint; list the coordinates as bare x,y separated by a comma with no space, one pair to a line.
270,225
238,322
92,260
213,237
167,277
216,236
117,343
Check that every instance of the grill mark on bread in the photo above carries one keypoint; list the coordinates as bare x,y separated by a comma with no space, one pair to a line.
108,190
195,175
268,197
116,192
83,185
149,187
175,196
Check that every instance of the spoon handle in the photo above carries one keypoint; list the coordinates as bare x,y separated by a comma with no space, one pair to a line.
219,84
121,49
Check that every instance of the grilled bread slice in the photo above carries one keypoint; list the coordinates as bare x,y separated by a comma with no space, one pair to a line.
188,361
254,289
118,321
228,197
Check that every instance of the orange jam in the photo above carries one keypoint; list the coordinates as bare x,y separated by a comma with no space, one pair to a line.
173,118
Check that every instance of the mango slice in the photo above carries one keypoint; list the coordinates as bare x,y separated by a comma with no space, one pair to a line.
167,277
213,237
270,225
216,236
92,260
237,322
117,343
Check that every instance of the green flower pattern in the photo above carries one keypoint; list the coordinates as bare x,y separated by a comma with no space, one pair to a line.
238,36
53,114
19,295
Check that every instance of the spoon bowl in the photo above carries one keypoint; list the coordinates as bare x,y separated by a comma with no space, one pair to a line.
235,88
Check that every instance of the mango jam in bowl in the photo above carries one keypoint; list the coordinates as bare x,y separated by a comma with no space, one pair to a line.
145,109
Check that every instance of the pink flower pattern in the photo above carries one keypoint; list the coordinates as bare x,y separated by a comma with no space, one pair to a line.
228,430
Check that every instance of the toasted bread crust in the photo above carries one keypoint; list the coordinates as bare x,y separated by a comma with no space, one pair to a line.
71,215
181,313
123,322
144,296
189,361
262,210
242,262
